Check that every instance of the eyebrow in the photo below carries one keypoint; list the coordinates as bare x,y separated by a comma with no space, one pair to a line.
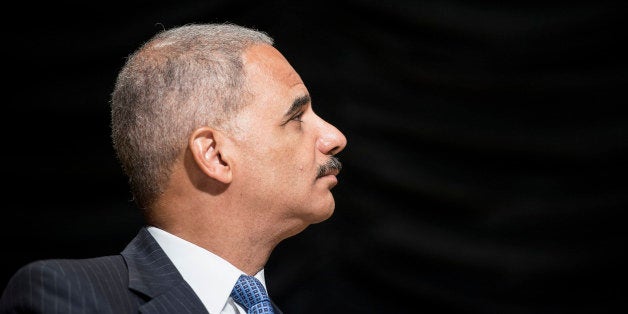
297,104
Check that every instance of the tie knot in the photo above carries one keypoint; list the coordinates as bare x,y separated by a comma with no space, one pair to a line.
250,293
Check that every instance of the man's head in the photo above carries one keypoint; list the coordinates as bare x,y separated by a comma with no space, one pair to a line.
225,104
181,79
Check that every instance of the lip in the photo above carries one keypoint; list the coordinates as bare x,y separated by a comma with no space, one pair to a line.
330,173
329,179
333,172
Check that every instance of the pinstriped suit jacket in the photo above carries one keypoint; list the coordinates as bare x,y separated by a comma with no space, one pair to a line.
142,279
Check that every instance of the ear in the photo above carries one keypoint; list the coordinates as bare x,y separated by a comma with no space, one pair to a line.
205,144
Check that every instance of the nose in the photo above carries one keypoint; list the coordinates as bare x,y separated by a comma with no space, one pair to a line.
331,141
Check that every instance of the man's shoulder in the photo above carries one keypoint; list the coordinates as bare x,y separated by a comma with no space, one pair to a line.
66,283
79,267
72,271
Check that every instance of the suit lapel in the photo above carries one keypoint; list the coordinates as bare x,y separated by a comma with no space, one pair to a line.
275,308
153,276
178,299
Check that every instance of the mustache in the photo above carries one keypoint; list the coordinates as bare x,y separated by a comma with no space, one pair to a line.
332,164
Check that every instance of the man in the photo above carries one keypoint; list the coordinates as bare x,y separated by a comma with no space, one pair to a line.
226,158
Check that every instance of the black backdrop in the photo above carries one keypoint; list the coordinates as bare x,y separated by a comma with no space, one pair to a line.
485,167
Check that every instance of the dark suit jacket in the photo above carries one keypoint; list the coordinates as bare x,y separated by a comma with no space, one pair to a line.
142,279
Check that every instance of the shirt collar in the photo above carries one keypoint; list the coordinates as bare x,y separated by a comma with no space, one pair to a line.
211,277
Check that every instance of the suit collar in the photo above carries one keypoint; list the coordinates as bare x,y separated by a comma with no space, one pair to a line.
152,274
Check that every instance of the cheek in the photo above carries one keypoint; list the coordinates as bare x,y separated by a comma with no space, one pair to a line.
294,160
294,174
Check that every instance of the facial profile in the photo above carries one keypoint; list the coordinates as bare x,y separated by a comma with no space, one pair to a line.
286,151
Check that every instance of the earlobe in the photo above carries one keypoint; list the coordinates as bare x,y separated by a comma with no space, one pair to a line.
205,144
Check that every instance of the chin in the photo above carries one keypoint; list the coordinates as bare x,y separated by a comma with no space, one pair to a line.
323,213
318,215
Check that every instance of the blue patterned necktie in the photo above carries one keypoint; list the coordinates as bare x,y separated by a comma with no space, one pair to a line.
250,294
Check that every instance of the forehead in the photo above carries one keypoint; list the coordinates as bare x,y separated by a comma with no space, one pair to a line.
264,65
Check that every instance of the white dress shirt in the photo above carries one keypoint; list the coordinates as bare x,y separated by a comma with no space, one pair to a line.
211,277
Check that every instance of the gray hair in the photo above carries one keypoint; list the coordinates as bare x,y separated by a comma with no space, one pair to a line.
181,79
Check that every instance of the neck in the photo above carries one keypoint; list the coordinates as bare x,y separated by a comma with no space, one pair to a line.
240,241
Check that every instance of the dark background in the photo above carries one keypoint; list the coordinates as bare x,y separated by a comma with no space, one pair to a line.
485,167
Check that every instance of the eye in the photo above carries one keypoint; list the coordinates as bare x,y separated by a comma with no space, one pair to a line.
298,117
